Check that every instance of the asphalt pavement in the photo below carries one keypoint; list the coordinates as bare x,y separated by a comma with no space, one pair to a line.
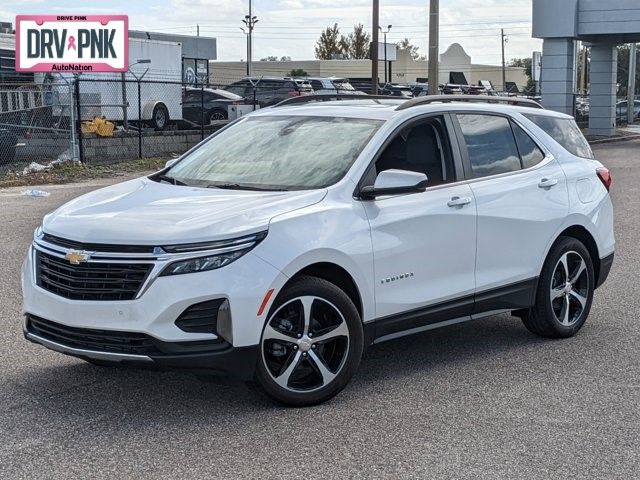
484,399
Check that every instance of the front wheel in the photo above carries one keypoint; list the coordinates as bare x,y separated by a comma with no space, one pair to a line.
565,291
311,344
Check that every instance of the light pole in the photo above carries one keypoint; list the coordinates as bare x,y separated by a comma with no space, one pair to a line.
250,22
384,32
375,26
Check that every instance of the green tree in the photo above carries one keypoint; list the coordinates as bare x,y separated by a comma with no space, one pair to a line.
357,43
329,43
406,44
298,72
623,69
526,64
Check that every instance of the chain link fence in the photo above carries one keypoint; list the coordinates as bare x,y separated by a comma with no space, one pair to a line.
36,124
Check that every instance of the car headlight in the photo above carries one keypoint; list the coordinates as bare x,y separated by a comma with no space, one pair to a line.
37,232
219,255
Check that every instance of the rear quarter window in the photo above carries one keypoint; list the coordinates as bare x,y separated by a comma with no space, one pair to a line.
565,132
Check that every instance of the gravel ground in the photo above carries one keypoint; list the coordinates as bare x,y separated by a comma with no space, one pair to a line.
484,399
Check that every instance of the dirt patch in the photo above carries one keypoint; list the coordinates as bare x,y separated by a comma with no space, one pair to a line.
75,172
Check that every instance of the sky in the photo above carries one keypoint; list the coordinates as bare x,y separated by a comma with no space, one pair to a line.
291,27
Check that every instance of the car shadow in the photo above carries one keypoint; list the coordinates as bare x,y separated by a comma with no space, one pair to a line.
145,397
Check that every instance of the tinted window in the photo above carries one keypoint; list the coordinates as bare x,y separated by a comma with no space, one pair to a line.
490,143
530,154
565,132
316,84
422,147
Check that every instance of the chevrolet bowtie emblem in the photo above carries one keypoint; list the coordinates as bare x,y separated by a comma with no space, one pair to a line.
76,258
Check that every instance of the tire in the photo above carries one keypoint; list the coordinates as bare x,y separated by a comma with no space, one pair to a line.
217,115
160,117
301,370
549,317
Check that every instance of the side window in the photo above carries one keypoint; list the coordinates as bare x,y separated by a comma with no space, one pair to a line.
530,153
421,147
316,84
490,144
565,132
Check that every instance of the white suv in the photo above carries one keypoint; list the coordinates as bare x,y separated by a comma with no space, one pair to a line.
280,247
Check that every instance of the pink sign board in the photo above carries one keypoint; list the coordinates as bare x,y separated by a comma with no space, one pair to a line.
72,43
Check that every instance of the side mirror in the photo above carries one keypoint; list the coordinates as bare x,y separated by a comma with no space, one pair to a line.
395,182
171,162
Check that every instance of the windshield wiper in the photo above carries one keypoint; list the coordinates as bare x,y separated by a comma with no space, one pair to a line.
238,186
167,178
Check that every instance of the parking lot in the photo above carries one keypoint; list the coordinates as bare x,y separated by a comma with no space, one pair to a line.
485,399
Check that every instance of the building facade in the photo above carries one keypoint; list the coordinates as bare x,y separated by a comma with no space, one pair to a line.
600,24
404,70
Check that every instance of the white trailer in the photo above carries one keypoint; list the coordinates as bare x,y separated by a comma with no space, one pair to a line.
155,72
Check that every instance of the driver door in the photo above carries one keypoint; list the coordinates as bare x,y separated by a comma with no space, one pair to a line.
424,243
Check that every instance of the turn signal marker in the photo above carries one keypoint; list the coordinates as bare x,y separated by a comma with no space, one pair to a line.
265,301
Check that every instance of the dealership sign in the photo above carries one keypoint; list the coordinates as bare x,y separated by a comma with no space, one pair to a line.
72,43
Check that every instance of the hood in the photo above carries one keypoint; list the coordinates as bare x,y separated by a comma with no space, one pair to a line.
144,212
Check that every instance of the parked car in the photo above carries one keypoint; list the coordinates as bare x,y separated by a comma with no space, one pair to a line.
207,105
621,109
267,91
286,243
404,91
332,85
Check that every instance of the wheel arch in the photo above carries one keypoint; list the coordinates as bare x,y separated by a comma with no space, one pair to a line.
335,274
579,232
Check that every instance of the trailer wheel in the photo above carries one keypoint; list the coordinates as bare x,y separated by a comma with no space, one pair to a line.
160,117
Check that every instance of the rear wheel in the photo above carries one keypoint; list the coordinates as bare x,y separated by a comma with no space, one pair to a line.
311,344
565,291
160,117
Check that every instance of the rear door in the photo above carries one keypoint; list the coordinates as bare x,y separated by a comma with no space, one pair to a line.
522,200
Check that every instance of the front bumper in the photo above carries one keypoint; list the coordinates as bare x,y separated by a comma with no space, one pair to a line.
217,357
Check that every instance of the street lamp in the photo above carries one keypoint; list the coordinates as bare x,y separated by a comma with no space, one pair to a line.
250,22
384,32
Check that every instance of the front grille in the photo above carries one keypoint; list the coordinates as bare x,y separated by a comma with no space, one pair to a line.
90,280
92,339
96,247
200,317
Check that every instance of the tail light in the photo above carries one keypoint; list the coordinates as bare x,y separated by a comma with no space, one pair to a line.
605,177
294,93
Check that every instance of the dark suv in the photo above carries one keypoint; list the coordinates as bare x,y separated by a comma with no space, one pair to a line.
267,91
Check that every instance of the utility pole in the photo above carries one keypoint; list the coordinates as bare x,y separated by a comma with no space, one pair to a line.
504,65
375,26
197,30
384,32
250,22
434,41
631,85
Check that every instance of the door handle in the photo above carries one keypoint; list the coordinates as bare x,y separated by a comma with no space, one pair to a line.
459,201
548,182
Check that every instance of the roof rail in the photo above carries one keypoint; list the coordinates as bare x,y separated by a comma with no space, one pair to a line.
328,97
520,102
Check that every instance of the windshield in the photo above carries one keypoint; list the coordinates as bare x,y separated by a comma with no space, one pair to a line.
277,153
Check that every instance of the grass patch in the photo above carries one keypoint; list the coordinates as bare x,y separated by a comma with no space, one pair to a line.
75,172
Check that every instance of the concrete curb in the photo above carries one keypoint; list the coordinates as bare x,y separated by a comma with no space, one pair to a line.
626,138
